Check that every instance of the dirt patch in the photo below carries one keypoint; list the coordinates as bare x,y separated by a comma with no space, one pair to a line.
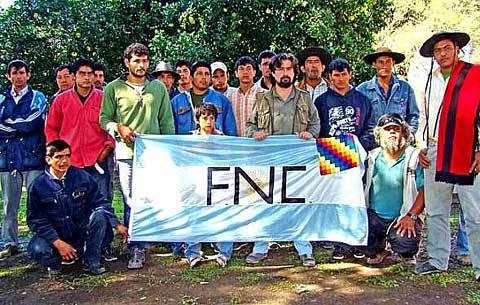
279,280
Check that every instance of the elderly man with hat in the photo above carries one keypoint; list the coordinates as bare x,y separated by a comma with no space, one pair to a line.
313,61
386,92
450,126
393,192
164,73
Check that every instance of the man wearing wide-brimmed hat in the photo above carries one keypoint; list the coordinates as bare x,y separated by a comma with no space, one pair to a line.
313,61
450,112
164,72
386,92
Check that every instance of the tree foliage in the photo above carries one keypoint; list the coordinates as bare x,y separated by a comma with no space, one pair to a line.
414,21
49,33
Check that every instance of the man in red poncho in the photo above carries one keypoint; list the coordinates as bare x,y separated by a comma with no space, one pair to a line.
450,116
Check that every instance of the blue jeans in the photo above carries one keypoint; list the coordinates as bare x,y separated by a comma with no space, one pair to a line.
303,247
462,240
94,237
195,250
11,183
124,168
103,182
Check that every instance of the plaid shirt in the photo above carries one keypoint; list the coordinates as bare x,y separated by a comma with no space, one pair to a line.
242,105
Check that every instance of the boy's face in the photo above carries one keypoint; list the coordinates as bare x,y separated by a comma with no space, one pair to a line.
207,123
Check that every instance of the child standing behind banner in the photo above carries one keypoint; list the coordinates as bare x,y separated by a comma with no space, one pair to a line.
205,117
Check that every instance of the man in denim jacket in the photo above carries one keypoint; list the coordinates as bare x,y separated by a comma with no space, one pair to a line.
386,92
184,104
68,215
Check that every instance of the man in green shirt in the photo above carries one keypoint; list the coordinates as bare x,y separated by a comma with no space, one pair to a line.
134,103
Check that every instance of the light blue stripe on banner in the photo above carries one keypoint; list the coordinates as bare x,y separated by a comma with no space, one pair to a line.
265,222
226,151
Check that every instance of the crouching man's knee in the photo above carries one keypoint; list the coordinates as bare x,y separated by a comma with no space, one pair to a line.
43,252
404,245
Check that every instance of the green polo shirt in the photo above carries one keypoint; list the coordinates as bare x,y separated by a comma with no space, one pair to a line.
386,191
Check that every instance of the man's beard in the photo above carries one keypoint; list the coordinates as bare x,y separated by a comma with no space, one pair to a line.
134,73
393,145
285,82
315,75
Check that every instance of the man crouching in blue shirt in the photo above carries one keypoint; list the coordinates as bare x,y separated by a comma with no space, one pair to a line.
65,212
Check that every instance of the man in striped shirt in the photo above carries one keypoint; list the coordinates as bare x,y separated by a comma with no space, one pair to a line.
243,98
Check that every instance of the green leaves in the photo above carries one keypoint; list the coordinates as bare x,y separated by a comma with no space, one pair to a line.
49,33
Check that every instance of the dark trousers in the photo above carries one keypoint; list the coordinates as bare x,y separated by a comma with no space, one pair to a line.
381,230
92,240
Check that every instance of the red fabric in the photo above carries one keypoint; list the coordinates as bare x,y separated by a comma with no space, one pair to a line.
463,128
78,124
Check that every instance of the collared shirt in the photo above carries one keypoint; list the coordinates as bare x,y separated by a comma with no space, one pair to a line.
242,104
386,191
54,177
435,92
261,83
78,124
18,97
318,90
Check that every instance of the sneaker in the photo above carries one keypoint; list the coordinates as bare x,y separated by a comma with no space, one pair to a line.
52,271
308,260
409,260
8,251
95,270
70,262
221,260
379,258
194,261
137,260
358,254
464,260
108,256
426,268
327,245
255,258
273,246
239,246
338,253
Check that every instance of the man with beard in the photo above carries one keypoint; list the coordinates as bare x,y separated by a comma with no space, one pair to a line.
183,68
134,103
99,76
450,126
313,61
283,110
185,103
386,92
243,98
393,192
264,59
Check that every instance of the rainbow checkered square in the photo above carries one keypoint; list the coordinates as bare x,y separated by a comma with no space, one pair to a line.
337,154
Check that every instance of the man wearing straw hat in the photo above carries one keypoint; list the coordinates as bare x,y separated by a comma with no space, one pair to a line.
386,92
450,127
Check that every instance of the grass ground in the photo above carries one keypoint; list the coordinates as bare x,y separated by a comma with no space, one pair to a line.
279,280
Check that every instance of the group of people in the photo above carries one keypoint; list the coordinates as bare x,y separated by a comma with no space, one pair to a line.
66,158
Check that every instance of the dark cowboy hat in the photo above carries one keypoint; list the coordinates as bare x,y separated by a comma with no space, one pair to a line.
461,39
384,51
323,54
164,66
